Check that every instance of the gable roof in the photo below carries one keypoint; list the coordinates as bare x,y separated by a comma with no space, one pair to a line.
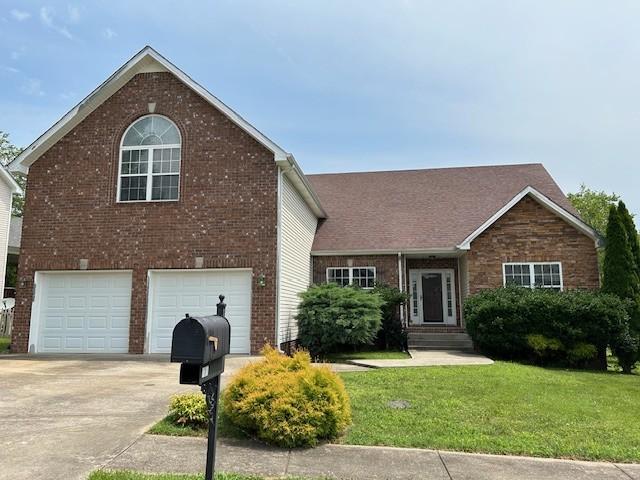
9,180
145,61
432,210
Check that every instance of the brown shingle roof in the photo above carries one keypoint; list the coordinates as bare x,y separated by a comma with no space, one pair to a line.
419,209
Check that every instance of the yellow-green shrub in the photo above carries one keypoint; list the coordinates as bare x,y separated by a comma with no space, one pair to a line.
189,409
287,401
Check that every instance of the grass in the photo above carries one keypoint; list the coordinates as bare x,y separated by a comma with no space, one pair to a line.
503,408
128,475
366,355
4,344
167,427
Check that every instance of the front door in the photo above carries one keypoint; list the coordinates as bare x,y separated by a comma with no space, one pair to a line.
433,297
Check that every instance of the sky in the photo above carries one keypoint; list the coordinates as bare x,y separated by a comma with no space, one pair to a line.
364,85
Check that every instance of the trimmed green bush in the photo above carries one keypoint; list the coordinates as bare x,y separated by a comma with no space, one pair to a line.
619,269
627,348
331,317
392,335
286,401
523,323
189,409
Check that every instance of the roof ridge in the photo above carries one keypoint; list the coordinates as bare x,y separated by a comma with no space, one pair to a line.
506,165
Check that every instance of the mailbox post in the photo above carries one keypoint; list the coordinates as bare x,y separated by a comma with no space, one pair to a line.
200,345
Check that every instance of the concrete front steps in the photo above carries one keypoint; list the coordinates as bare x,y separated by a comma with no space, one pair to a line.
426,340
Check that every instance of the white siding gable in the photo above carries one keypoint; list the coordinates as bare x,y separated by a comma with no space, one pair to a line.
6,196
298,227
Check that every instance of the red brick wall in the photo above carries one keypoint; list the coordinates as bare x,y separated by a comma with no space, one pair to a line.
531,233
386,266
227,211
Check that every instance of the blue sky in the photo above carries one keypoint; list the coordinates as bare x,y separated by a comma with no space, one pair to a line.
364,85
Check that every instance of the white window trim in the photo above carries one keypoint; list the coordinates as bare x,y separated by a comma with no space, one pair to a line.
375,274
149,173
532,277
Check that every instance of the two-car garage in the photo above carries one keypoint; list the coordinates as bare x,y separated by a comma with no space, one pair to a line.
89,311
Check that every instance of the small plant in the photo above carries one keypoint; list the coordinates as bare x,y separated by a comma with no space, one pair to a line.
543,347
286,401
627,348
331,317
188,409
582,354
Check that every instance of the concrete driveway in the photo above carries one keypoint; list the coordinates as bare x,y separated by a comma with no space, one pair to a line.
61,418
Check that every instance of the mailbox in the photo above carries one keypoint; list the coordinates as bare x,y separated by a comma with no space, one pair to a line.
200,345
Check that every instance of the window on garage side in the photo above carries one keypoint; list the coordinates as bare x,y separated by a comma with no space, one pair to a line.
534,274
364,277
150,157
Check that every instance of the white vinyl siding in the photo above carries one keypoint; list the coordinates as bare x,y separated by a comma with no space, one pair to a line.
298,228
5,220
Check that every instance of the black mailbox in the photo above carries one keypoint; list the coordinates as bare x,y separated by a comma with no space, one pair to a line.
200,345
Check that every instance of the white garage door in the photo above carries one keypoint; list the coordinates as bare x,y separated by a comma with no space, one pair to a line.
83,312
176,293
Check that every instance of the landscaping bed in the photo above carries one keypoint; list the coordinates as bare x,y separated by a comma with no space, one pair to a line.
505,408
366,355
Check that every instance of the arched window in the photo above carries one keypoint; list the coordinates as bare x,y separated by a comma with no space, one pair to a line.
150,161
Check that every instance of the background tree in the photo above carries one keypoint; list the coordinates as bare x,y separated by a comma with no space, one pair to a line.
632,234
619,276
8,151
593,206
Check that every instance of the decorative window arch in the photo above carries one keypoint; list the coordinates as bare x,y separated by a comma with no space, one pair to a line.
150,154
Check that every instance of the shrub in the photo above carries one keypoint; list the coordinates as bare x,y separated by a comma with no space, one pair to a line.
502,321
391,335
286,401
627,348
543,347
331,316
582,354
189,409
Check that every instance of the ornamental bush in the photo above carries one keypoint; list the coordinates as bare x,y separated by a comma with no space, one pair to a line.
547,326
286,401
189,409
331,317
391,335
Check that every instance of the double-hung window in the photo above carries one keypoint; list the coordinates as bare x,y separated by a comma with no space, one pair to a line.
150,161
364,277
533,274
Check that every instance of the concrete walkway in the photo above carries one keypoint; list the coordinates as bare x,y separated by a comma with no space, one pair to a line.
428,358
154,454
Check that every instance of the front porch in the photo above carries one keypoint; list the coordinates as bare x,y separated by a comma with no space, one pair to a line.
434,318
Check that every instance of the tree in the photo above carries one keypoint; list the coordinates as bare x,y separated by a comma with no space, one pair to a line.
8,151
619,273
632,234
593,206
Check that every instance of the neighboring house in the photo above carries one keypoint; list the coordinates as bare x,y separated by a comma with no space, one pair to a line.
13,253
8,186
151,197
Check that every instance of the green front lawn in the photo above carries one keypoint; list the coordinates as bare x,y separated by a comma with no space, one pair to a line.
4,344
503,408
366,355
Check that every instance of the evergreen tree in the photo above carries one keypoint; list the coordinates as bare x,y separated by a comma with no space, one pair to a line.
632,234
620,277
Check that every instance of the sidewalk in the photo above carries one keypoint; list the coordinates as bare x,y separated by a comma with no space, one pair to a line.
428,358
151,453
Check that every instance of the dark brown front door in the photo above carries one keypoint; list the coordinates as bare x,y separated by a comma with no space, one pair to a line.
432,297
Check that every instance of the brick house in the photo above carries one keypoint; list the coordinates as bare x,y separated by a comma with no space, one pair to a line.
151,197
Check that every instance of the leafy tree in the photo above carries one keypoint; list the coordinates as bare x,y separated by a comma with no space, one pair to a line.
8,151
620,277
593,206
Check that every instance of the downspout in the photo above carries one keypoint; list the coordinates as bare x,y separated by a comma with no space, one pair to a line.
279,257
400,285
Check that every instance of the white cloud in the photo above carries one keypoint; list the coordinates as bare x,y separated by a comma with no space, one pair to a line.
108,33
20,15
47,18
9,69
32,87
